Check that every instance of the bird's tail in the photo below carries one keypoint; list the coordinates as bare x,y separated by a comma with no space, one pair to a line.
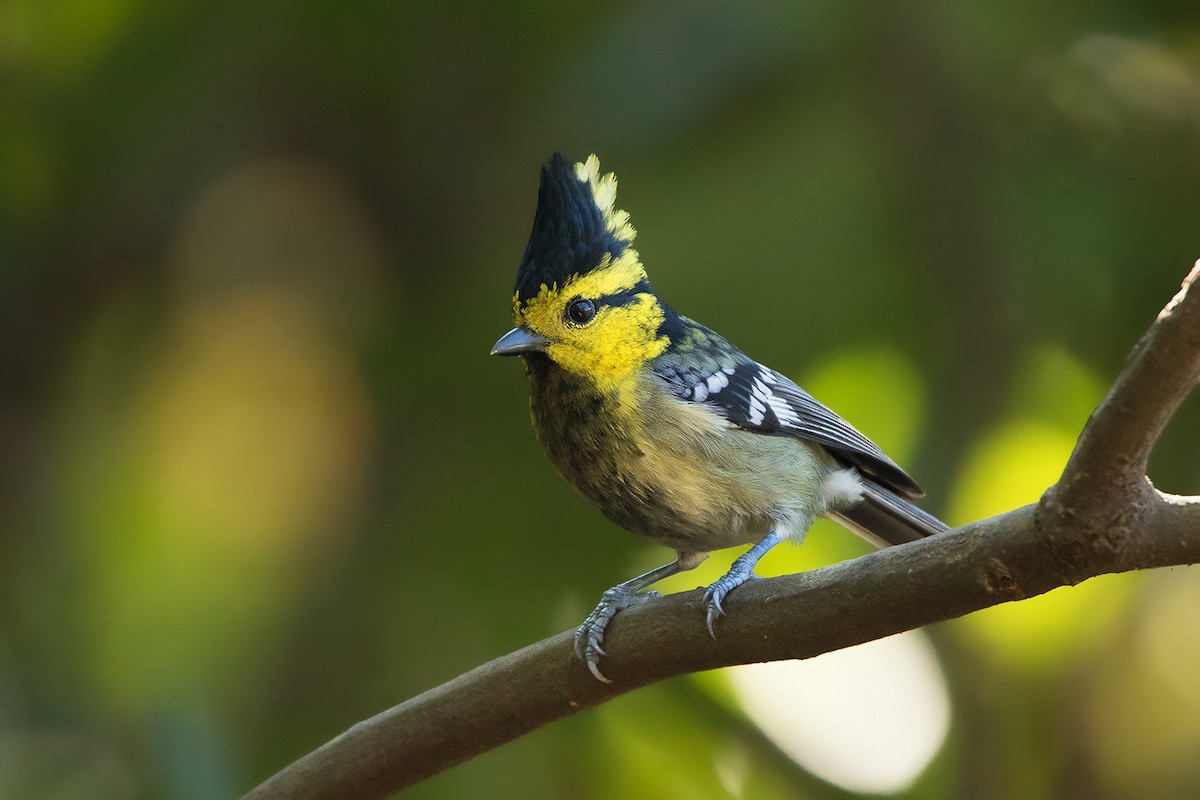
885,518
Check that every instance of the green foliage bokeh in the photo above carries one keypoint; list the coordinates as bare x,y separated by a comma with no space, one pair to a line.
259,478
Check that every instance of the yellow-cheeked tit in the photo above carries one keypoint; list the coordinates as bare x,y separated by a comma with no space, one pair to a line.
669,429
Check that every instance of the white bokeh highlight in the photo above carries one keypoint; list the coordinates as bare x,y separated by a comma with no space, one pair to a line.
868,718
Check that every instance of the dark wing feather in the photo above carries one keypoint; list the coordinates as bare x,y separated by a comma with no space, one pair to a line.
704,367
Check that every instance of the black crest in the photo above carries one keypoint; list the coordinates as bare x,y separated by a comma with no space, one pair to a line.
570,233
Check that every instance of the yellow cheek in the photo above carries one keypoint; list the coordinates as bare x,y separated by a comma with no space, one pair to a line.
617,343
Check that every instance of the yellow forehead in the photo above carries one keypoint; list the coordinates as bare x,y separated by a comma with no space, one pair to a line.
612,276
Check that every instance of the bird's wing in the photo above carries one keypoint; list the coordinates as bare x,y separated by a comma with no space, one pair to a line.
704,368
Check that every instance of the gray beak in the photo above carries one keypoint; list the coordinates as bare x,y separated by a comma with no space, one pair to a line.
518,341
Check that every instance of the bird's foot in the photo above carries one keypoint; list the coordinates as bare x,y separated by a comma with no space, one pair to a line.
740,572
589,637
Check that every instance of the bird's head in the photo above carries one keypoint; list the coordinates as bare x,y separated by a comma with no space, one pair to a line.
582,298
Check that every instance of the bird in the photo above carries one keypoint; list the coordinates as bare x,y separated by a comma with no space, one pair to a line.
663,424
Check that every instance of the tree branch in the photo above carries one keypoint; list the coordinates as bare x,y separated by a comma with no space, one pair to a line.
1103,516
1110,457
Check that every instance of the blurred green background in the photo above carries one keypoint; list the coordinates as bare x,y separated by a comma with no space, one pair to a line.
259,478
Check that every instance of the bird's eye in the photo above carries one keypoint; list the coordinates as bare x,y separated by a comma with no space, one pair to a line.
581,311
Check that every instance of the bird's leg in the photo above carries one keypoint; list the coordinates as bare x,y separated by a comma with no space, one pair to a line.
740,571
590,635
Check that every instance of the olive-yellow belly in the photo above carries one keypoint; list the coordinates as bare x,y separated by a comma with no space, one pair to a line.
671,470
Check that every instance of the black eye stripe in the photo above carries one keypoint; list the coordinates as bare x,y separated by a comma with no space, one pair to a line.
576,313
627,297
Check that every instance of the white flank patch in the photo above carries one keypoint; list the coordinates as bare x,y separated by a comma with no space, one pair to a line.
842,489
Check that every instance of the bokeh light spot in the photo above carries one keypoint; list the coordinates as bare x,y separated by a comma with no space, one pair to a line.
1010,467
878,391
868,718
1147,684
256,426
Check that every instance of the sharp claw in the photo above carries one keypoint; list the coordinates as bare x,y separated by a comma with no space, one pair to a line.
712,598
590,635
594,666
714,610
739,573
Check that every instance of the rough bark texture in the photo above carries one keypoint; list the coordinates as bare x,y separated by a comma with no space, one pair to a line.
1102,516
